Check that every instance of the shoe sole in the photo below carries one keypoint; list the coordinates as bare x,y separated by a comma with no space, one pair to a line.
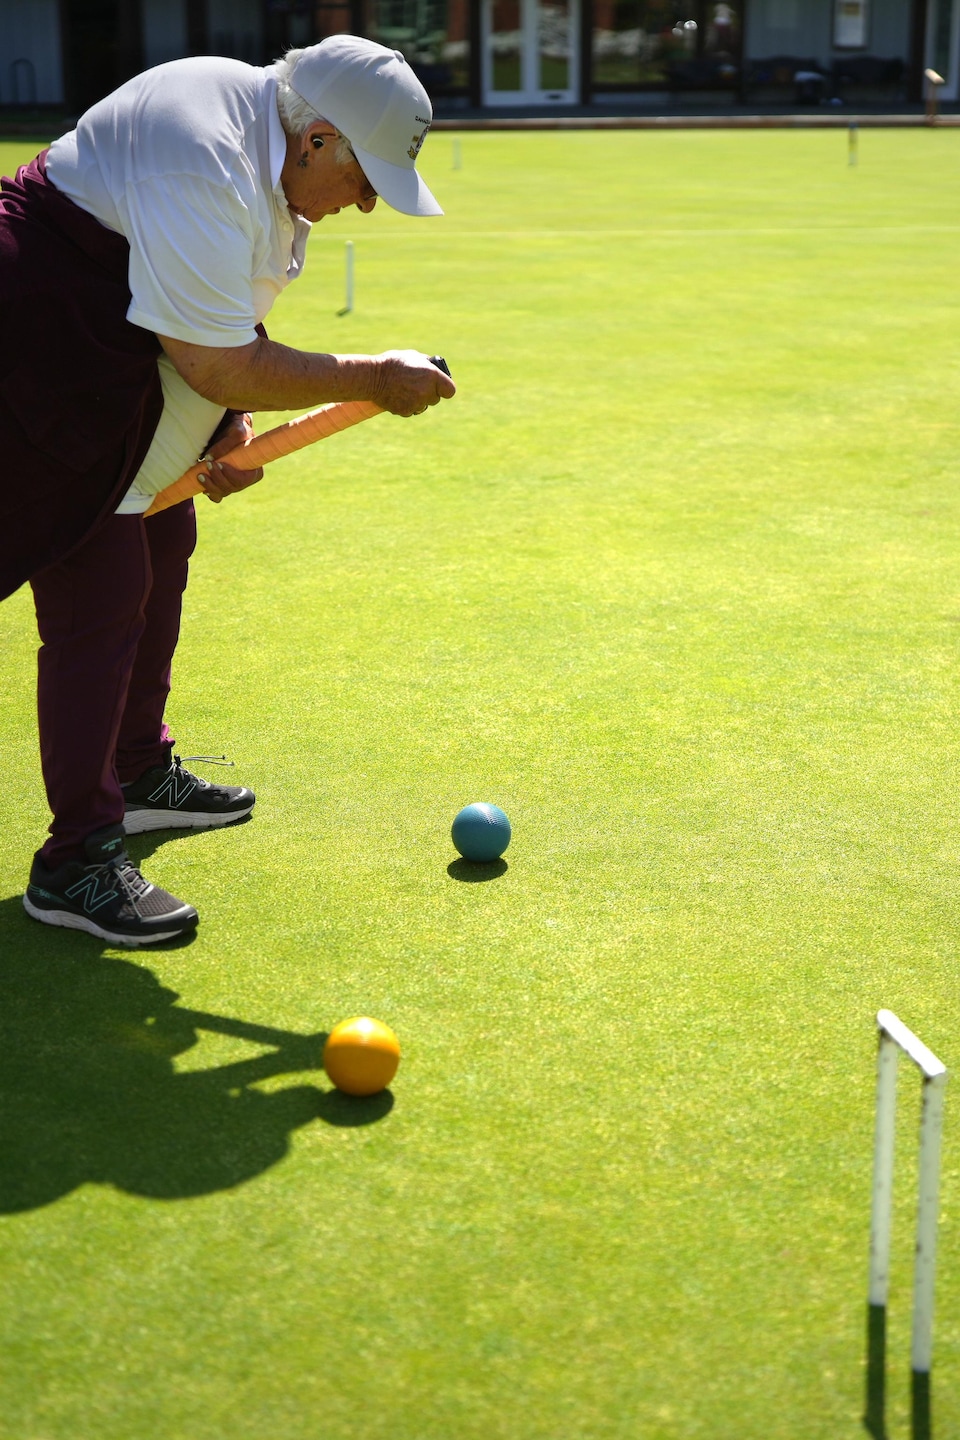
137,822
69,920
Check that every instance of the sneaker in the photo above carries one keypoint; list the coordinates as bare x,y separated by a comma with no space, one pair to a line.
171,798
106,896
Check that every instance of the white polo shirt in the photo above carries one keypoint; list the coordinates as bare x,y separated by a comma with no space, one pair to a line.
184,161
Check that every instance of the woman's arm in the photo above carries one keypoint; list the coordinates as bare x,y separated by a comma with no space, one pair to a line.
267,376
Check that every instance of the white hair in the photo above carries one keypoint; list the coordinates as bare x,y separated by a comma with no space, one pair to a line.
296,116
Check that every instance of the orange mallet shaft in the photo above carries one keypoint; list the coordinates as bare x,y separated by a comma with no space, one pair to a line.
271,445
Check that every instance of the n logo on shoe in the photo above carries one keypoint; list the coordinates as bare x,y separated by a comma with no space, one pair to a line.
94,895
173,790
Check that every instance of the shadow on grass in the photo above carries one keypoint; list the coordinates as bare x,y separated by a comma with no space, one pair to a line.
874,1419
88,1089
141,847
471,872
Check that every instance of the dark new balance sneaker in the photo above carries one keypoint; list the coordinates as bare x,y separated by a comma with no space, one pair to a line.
106,896
171,798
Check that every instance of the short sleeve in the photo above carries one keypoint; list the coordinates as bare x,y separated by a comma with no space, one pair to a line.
191,260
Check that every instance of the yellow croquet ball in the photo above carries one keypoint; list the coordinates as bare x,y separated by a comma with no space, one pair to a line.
361,1055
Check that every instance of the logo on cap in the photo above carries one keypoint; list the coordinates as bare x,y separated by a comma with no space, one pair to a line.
418,140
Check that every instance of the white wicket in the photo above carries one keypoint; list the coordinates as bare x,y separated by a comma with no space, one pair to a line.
894,1037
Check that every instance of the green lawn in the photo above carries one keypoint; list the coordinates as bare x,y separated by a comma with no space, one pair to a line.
674,581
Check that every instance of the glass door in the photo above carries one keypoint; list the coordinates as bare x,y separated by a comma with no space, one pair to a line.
530,52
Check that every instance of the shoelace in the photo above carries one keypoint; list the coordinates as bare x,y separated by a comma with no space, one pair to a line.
179,763
126,878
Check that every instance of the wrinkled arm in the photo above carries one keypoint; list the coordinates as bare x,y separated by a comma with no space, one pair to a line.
267,376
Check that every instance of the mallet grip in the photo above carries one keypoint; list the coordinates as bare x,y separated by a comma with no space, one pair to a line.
274,444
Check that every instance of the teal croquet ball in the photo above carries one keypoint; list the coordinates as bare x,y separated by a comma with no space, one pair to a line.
481,832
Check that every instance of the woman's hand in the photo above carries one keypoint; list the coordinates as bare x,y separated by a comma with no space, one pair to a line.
221,480
407,383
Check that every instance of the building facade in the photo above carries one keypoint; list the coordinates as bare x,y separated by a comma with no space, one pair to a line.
494,55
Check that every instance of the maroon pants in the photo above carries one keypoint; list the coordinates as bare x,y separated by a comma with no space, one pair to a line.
109,620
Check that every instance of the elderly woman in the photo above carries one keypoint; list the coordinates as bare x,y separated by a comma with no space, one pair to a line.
139,256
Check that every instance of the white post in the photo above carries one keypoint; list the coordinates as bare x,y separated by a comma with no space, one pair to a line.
882,1208
895,1036
931,1129
349,301
456,154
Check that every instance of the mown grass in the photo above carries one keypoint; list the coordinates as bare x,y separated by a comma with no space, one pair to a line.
674,581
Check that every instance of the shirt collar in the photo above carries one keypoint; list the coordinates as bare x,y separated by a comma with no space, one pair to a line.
277,154
277,142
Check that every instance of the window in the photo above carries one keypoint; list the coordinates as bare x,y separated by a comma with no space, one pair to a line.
432,35
639,44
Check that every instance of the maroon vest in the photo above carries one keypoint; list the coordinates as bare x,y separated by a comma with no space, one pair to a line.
80,395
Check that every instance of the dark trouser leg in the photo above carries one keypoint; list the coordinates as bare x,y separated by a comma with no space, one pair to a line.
144,739
90,613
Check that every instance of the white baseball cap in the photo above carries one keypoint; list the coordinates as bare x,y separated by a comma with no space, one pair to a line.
373,97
